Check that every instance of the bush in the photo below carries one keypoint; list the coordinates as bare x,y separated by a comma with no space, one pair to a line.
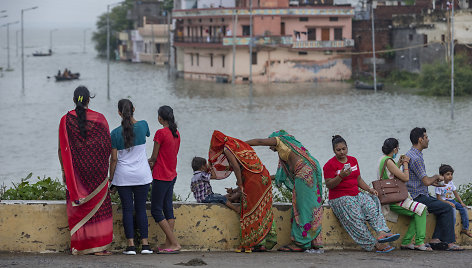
44,189
435,78
465,191
403,79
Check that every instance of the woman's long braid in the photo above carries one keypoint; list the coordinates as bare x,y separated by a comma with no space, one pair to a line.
166,113
126,109
81,99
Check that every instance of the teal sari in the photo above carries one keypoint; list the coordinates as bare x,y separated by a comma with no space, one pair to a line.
305,182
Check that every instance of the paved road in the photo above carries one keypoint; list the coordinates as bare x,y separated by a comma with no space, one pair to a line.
338,259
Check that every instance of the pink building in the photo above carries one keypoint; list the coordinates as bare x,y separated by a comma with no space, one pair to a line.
291,43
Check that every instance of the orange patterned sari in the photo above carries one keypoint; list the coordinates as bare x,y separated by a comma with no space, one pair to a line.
256,217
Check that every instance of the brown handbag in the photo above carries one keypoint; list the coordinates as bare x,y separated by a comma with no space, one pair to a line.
390,190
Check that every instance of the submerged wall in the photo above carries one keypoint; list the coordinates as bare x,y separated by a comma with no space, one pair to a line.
41,226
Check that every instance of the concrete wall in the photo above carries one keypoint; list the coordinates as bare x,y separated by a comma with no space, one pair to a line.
41,226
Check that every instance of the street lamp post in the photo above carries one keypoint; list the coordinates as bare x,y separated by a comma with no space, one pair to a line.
50,38
23,50
452,61
8,43
108,47
85,37
250,53
16,39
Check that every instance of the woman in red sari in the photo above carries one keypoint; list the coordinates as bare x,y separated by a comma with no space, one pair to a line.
84,152
228,154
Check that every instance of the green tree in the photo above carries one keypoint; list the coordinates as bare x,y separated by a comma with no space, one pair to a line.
118,23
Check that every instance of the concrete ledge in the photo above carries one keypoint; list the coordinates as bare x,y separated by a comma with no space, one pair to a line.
41,226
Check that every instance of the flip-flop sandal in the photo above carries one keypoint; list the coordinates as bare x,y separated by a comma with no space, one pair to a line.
424,248
388,238
259,249
439,246
287,248
168,251
103,253
387,249
407,247
455,248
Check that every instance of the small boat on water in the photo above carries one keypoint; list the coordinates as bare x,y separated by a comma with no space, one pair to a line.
73,76
40,54
362,85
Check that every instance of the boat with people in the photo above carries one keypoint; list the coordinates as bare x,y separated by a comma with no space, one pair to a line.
67,75
361,85
41,54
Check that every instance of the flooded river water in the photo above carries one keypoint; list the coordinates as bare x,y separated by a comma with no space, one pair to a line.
311,112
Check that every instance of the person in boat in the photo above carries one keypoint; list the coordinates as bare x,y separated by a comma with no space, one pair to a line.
59,73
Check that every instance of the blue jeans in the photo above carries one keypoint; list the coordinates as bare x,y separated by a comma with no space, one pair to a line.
444,213
463,213
133,199
161,200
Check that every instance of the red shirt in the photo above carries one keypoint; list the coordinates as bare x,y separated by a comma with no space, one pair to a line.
348,185
166,162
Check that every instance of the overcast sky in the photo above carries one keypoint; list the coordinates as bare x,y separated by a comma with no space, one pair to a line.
55,13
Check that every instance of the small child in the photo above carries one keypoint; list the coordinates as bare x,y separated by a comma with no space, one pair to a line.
201,187
448,192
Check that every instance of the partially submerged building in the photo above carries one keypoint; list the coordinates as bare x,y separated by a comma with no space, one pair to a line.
292,41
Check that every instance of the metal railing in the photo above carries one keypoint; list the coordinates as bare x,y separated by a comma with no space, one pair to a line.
199,39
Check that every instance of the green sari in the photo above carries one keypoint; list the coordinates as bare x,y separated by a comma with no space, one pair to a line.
305,182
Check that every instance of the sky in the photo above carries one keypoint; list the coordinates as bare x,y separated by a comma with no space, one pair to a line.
55,13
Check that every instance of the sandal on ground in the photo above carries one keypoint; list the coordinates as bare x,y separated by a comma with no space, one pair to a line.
423,248
407,247
388,237
385,249
289,248
439,246
243,250
259,249
103,253
454,248
467,233
168,251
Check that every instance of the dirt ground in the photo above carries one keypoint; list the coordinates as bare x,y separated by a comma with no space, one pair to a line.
338,259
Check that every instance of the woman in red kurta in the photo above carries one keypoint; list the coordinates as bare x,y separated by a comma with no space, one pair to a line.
84,152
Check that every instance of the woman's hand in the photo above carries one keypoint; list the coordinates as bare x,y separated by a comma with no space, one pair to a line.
344,173
406,160
373,191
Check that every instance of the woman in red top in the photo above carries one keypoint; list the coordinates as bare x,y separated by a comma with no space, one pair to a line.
163,163
352,207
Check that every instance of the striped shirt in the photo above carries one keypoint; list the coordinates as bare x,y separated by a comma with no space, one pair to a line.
417,171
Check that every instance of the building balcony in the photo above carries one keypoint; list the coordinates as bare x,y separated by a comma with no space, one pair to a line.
274,41
221,12
336,44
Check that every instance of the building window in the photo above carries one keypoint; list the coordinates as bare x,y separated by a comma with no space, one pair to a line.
410,37
443,38
311,34
303,19
191,59
188,31
246,30
198,59
211,60
222,19
254,58
425,40
333,18
338,33
199,20
302,53
223,60
189,21
211,20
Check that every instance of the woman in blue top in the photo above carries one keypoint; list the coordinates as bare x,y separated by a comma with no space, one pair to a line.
130,173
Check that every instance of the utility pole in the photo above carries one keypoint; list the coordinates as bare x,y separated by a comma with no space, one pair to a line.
373,45
23,50
235,22
452,61
250,53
